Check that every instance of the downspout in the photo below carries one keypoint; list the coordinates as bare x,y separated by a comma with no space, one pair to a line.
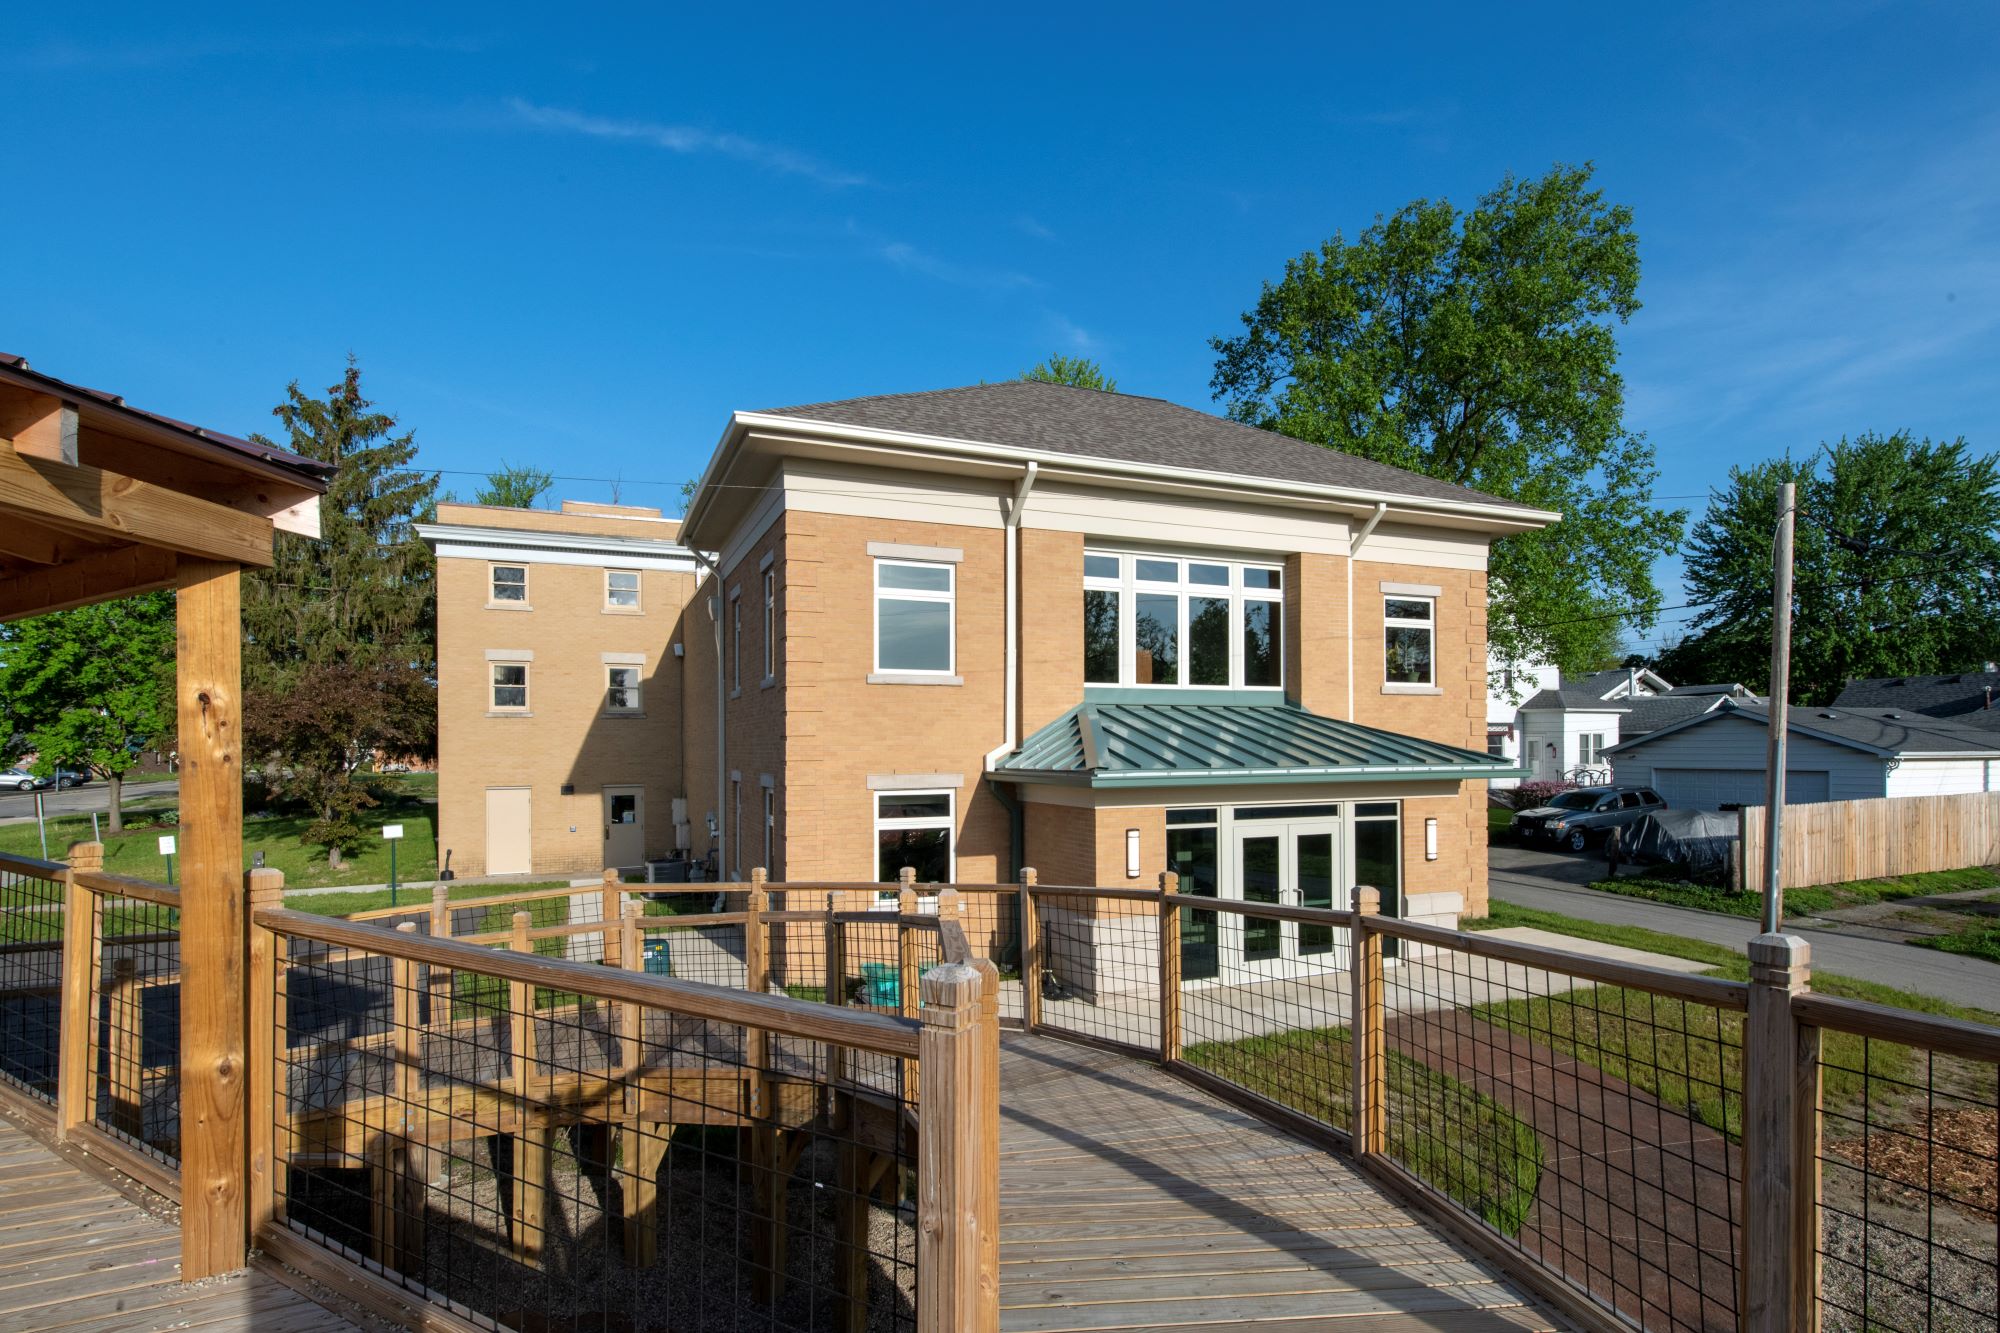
1012,653
721,718
1353,546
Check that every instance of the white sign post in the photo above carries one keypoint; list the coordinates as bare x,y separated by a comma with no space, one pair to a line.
167,845
392,834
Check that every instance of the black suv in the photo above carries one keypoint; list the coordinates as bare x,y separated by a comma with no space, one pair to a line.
1575,819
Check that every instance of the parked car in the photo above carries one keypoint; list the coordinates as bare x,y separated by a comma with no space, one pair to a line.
1576,819
70,777
20,779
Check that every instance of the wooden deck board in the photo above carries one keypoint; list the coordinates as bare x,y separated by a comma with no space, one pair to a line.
75,1254
1131,1200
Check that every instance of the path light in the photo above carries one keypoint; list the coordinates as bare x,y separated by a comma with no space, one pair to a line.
1430,840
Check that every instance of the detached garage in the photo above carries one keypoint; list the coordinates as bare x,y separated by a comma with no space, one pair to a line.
1716,760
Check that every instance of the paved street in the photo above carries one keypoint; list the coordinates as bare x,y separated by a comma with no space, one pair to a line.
79,800
1555,882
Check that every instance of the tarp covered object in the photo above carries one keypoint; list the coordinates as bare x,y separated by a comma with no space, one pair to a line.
1697,839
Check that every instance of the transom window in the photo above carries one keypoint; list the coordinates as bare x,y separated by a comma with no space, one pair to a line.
914,604
510,687
622,689
510,584
914,829
1409,631
621,589
1187,622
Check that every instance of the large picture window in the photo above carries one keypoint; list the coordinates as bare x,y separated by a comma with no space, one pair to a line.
914,829
1409,631
1195,623
913,617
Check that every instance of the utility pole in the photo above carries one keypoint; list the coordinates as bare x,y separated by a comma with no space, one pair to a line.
1781,678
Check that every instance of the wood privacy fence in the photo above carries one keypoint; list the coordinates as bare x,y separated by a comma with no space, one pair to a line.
1835,841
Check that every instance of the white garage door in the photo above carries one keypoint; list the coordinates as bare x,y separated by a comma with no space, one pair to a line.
1713,788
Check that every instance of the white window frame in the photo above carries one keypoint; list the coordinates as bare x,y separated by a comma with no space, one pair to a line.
613,605
950,599
1590,747
493,687
736,641
770,625
1129,586
1429,626
949,823
637,688
770,823
493,568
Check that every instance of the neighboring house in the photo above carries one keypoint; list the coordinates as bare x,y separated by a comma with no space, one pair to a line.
1102,635
560,682
1968,698
1567,729
1507,685
1718,759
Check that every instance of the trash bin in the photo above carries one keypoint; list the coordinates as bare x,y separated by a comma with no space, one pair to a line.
658,958
881,985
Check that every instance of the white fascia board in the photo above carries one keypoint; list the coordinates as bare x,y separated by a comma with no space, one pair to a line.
554,548
1053,464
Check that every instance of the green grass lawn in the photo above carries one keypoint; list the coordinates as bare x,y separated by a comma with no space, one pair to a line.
136,851
1446,1132
1802,902
1979,939
1499,821
550,911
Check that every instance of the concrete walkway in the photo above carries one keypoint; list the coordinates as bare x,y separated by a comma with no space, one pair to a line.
1550,882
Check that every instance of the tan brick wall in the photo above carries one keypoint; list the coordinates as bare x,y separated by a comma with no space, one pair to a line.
1061,843
1316,633
1461,864
695,632
567,737
1457,715
1052,626
757,716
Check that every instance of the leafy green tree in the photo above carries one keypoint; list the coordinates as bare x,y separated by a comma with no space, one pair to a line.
515,486
1896,567
92,688
351,615
1478,347
1079,372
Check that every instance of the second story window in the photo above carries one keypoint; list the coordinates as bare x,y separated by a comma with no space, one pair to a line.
1409,631
1162,620
770,624
621,590
621,689
509,586
735,643
913,617
510,687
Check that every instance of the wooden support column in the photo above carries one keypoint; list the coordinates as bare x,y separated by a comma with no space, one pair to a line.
959,1151
76,1075
852,1215
645,1148
528,1153
1366,1051
1170,969
264,889
1781,1177
1031,954
768,1176
214,938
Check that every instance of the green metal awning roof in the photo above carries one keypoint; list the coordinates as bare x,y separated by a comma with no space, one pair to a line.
1182,744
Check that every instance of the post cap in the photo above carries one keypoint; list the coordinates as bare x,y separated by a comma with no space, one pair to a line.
1367,901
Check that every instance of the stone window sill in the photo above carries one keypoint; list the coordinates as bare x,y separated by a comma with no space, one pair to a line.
508,606
1398,687
508,712
912,678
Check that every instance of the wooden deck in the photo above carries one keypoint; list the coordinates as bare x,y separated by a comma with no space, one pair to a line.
1131,1200
75,1254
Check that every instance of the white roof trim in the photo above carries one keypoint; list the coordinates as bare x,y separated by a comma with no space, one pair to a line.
450,540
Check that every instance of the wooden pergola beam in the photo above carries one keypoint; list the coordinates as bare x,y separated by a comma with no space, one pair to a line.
120,572
40,425
113,507
37,543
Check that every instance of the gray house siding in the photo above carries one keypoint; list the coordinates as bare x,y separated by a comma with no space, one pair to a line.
1727,750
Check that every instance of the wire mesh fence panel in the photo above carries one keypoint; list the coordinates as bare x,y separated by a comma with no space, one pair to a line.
1593,1126
135,1045
1908,1218
549,1158
31,954
991,917
1098,960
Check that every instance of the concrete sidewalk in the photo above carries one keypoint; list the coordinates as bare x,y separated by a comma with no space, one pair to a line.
1518,879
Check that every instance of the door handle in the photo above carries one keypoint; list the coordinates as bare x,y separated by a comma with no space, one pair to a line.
607,833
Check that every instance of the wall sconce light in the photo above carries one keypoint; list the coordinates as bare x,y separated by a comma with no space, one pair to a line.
569,789
1131,853
1430,840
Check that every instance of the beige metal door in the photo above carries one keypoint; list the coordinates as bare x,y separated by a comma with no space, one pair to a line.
624,826
509,838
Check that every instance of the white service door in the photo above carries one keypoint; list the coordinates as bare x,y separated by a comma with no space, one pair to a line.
509,837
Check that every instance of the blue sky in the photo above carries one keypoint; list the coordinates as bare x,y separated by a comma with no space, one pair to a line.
580,237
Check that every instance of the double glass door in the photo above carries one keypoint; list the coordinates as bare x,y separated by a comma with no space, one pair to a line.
1289,863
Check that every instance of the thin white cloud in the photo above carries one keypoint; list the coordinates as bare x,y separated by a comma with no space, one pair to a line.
1073,335
908,258
686,139
1031,226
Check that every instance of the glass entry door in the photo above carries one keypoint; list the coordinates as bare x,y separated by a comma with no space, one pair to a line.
1282,863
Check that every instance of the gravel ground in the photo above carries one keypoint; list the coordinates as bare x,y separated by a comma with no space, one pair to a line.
1883,1270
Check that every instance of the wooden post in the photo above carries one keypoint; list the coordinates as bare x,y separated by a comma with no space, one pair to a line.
1170,969
767,1149
530,1153
264,888
1780,1143
440,978
76,1072
907,999
851,1222
1366,1051
1031,954
611,910
959,1152
214,943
